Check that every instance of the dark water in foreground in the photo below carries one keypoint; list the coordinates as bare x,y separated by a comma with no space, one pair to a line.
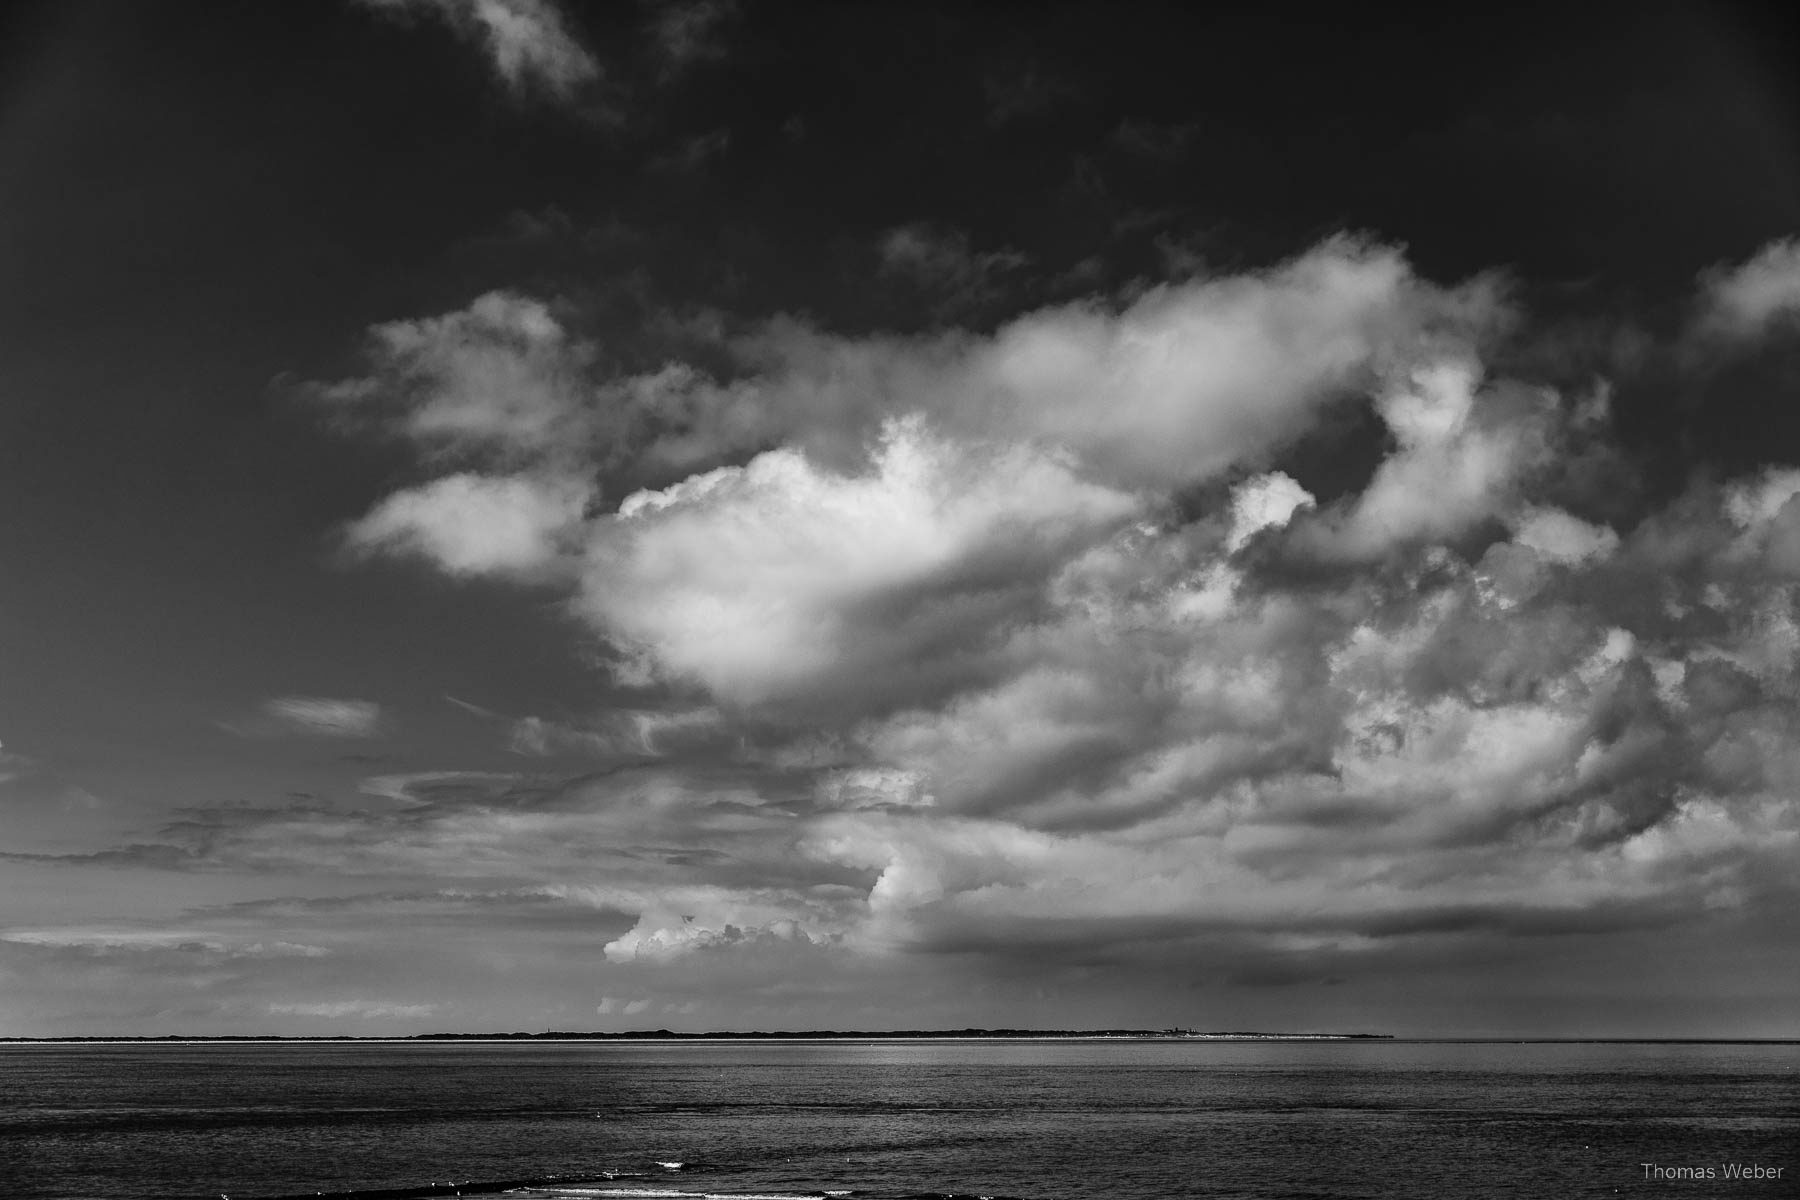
1044,1120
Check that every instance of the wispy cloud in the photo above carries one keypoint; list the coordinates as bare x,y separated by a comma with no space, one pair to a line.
684,33
527,42
944,263
500,377
1021,89
1162,140
310,716
12,766
365,1010
125,940
692,154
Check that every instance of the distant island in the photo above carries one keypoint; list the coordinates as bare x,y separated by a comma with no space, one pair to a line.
780,1035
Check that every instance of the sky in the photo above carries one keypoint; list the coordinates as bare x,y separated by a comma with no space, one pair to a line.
717,515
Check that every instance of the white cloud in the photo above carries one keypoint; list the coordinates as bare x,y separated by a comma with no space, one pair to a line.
501,378
1265,502
1745,301
1755,502
661,936
1460,459
780,575
991,460
680,919
1561,537
469,524
1185,382
1181,384
528,41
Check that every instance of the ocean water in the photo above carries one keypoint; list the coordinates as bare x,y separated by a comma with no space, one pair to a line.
893,1120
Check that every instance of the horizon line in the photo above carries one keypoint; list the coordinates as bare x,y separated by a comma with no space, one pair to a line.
967,1034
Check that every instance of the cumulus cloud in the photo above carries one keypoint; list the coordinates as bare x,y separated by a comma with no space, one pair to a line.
661,935
1185,382
1557,536
617,1006
502,377
780,576
1456,463
1041,640
471,524
1746,301
527,41
1176,386
1265,502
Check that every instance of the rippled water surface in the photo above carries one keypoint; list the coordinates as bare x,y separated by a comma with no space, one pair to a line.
886,1120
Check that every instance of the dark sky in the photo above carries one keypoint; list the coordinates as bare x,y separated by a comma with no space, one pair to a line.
712,514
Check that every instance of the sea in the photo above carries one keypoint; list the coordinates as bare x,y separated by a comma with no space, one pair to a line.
899,1120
